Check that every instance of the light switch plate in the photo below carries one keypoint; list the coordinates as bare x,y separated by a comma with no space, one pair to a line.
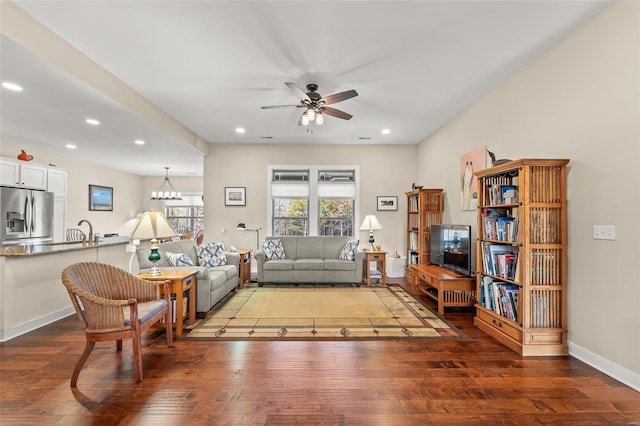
604,232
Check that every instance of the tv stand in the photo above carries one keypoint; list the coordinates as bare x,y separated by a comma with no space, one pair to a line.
446,287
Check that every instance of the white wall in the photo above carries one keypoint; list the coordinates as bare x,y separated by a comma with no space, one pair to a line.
384,170
579,100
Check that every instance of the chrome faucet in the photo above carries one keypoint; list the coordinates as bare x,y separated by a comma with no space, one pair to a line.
90,239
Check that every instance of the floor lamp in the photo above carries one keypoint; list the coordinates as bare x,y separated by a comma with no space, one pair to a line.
242,227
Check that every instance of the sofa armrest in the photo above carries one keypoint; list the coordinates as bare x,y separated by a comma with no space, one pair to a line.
233,258
360,259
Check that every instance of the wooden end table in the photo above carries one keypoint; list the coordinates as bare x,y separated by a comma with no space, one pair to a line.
244,268
379,257
182,280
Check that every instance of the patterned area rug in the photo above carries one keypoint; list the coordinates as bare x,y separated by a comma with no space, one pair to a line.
322,312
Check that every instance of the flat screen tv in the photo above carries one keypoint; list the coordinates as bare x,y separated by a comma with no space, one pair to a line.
451,247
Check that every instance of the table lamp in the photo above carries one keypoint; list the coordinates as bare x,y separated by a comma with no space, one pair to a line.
370,223
153,225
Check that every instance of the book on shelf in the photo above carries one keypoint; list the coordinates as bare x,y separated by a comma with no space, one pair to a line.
508,194
500,260
500,297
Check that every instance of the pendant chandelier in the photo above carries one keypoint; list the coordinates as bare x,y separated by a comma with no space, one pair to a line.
163,192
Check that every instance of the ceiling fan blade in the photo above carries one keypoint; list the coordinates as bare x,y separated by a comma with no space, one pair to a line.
283,106
298,91
336,113
338,97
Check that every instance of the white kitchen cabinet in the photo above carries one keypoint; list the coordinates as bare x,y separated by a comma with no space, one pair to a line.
23,175
57,182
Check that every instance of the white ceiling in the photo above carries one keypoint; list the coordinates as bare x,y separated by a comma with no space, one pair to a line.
211,65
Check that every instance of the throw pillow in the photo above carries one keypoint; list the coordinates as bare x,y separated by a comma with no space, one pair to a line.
178,259
212,255
273,249
349,250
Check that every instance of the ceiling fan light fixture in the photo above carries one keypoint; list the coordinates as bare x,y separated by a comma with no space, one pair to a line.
304,120
319,119
311,114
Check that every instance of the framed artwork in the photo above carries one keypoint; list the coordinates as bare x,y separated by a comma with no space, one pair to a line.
100,198
387,202
235,196
471,162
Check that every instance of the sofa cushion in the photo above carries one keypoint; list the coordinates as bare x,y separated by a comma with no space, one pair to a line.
279,265
212,255
309,265
216,277
273,249
311,248
178,259
349,250
339,265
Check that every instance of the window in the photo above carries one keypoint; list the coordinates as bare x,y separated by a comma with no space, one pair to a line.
312,200
184,214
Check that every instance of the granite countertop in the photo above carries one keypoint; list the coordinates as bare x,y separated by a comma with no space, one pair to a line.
38,249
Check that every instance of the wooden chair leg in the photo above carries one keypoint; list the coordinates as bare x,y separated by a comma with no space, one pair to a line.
169,329
137,356
119,345
83,358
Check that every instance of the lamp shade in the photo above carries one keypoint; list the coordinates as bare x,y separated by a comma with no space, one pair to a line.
370,223
152,225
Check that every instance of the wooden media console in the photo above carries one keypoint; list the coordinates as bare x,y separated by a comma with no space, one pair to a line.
446,287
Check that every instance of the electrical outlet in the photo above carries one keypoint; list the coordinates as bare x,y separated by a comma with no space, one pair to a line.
604,232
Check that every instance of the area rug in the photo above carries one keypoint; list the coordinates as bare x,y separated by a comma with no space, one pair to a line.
322,312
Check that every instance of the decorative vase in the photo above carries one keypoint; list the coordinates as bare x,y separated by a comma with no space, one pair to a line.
24,156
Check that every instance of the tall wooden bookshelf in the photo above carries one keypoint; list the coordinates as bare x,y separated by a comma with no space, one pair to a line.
521,284
424,208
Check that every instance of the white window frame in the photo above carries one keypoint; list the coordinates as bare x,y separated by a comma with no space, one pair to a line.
314,220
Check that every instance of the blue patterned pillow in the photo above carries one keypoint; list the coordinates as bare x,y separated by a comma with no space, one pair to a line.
178,259
212,255
273,249
349,250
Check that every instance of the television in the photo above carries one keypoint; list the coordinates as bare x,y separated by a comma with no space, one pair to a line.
451,247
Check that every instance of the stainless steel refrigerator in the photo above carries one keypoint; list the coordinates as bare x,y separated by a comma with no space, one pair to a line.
27,216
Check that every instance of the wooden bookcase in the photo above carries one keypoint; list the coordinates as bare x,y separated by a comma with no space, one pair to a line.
424,208
521,284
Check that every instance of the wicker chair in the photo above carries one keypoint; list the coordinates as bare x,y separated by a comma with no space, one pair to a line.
74,234
112,304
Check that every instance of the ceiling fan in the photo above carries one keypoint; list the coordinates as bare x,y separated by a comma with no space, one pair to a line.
315,105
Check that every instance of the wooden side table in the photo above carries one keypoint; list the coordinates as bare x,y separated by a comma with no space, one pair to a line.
446,287
182,280
244,271
379,257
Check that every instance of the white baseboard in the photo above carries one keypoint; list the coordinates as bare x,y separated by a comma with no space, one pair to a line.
26,327
609,368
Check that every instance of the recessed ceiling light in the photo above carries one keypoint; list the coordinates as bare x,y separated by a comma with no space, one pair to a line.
12,86
92,121
240,130
71,146
386,131
139,142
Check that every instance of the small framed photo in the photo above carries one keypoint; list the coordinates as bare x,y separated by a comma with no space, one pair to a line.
235,196
387,202
100,198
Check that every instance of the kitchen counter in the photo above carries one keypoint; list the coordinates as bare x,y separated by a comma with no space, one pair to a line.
31,293
48,248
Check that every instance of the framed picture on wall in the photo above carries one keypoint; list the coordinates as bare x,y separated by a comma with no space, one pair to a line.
235,196
387,202
100,198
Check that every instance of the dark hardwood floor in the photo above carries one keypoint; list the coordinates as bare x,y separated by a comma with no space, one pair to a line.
303,383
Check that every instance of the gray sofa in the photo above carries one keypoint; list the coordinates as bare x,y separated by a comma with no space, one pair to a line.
310,260
213,283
